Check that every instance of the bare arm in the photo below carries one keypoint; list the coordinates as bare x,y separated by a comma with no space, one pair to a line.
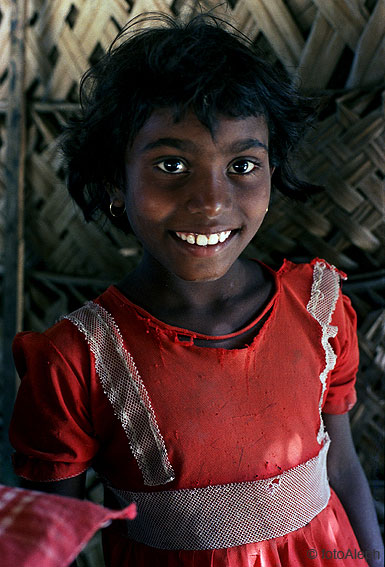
71,487
349,482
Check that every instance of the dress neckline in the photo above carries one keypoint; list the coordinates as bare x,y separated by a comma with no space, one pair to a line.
188,333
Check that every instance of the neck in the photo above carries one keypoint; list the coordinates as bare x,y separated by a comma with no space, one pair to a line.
151,284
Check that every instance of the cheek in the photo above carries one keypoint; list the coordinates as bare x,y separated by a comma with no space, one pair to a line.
258,199
147,206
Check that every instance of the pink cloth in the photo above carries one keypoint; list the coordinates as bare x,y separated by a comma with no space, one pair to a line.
45,530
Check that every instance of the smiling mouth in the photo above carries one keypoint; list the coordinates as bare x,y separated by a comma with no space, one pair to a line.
198,239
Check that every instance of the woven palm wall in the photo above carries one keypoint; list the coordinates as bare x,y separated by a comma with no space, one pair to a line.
335,47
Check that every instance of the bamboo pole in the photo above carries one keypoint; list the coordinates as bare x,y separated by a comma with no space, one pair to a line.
14,224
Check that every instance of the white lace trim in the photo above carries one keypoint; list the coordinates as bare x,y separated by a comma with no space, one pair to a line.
125,390
322,303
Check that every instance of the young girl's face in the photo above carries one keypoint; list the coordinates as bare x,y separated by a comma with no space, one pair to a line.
195,201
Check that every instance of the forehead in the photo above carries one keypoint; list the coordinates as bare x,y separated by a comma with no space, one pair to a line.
227,131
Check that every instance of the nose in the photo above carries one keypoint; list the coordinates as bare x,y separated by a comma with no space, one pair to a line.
209,195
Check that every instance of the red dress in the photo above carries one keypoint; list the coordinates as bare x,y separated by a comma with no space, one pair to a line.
226,416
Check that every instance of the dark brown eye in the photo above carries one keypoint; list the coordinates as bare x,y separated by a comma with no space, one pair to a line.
242,166
172,165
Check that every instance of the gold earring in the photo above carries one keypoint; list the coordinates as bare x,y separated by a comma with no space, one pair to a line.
121,210
266,209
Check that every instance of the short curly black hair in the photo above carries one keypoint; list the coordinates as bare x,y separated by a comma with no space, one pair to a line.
204,65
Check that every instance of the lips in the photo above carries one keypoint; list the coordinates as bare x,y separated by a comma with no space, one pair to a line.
198,239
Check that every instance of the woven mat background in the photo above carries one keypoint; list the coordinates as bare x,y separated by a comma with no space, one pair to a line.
333,46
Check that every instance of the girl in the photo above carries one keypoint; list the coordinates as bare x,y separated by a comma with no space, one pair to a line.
205,387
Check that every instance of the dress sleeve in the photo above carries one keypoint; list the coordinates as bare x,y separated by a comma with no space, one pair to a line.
51,428
341,394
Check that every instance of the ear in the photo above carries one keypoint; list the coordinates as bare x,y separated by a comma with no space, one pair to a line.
116,195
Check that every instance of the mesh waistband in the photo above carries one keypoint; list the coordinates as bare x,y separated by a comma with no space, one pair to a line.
229,515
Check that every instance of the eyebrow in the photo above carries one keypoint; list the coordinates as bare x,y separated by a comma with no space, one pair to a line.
187,145
247,144
183,145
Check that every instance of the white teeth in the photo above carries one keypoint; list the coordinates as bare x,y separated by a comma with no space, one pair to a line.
213,239
201,240
204,239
